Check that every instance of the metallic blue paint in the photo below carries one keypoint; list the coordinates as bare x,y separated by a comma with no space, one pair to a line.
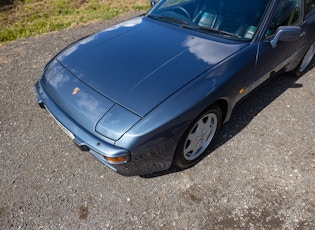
135,84
133,89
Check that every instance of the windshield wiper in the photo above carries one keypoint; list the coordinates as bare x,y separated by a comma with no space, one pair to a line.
218,31
209,29
167,19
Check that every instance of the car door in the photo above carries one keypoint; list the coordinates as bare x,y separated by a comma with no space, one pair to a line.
272,60
309,14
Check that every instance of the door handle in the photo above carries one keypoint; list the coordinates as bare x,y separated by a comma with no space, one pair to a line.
302,35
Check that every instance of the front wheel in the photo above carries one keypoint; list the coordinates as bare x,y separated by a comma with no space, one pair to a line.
198,138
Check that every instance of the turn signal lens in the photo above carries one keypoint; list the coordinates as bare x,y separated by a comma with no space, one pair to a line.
116,160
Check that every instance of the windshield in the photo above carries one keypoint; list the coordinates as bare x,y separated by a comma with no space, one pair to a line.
228,18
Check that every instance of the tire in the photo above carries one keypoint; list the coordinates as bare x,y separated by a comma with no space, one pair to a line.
306,61
198,138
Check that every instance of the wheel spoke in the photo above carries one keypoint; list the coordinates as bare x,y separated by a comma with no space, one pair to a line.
191,141
189,148
207,125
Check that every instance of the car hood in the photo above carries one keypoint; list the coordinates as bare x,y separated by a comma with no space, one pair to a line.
141,62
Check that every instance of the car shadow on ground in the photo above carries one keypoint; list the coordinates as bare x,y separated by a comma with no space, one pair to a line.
246,110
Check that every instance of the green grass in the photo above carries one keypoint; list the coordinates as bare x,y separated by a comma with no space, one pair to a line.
25,18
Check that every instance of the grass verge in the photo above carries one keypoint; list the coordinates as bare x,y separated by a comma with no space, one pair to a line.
25,18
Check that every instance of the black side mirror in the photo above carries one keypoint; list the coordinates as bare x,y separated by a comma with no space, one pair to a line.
286,34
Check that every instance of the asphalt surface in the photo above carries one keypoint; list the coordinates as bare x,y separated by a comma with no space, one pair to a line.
259,176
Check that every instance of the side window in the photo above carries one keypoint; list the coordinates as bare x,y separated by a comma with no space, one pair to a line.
309,6
288,12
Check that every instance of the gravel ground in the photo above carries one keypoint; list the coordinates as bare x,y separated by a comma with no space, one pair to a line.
260,175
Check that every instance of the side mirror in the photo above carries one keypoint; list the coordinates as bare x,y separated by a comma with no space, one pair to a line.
153,2
286,34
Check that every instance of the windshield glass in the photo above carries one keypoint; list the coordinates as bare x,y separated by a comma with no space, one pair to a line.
227,18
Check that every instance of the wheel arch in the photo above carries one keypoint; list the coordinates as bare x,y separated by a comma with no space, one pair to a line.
223,104
198,140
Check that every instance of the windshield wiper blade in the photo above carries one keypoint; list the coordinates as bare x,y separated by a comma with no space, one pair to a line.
217,31
168,19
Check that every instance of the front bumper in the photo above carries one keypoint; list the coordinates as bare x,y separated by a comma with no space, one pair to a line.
83,139
140,163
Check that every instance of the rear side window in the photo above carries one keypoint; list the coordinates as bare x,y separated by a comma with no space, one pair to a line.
287,13
309,6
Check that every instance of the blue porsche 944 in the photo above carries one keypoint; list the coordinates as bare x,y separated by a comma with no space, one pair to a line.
152,92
